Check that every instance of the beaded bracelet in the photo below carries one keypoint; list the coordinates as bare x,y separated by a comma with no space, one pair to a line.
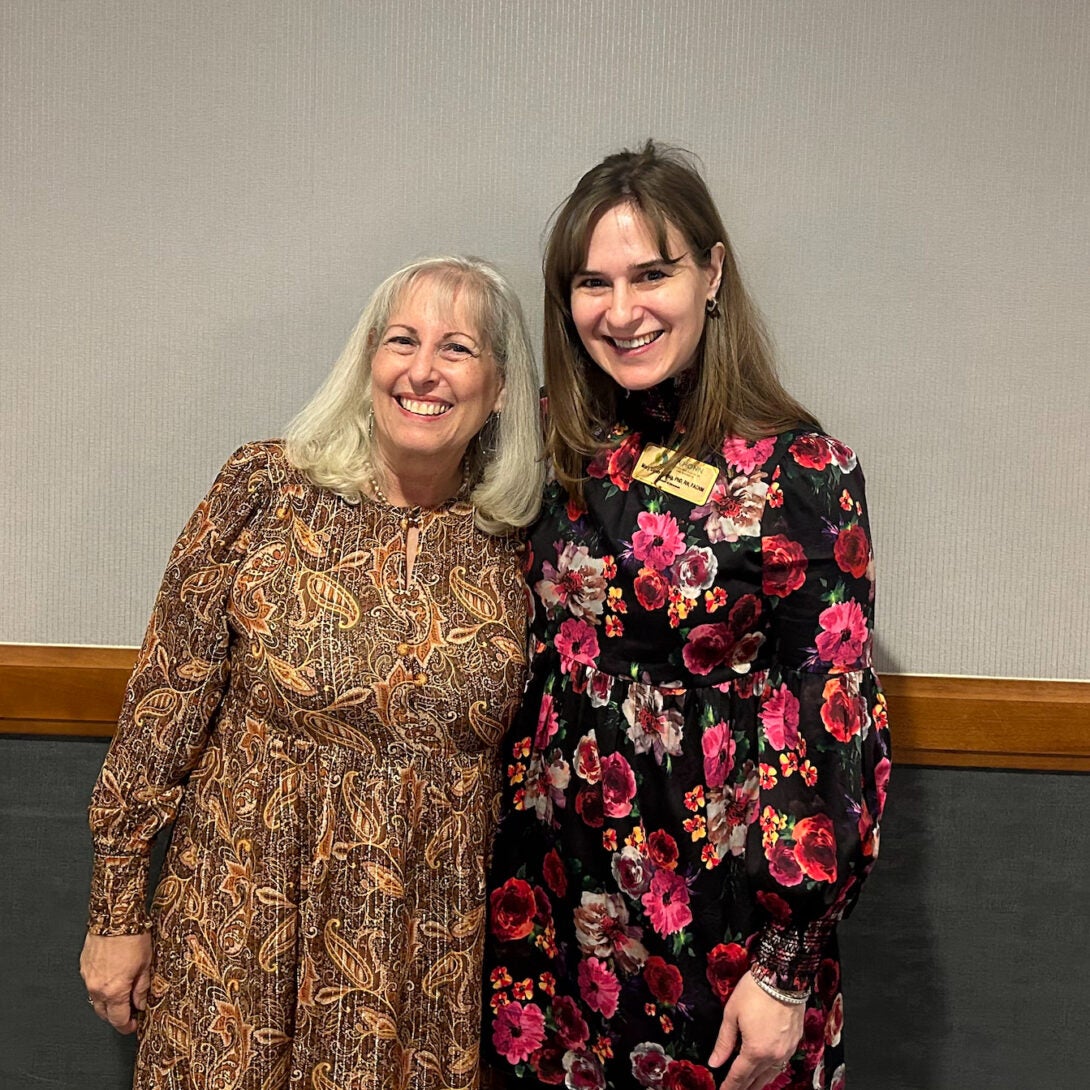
795,999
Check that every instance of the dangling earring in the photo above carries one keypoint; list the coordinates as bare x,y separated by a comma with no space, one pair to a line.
711,308
371,422
488,437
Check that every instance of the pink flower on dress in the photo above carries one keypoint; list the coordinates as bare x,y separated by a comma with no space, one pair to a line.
599,988
843,635
577,642
667,902
547,722
780,718
518,1030
718,745
618,785
747,454
577,583
658,541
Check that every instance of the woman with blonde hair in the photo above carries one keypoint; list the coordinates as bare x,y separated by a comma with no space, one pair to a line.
336,650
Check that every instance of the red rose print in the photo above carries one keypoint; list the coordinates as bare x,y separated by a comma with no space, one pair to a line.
842,710
815,847
775,906
664,980
852,551
513,910
651,588
618,786
589,806
683,1075
587,763
571,1027
708,646
727,962
784,565
556,878
783,867
662,849
649,1062
827,980
744,614
811,451
548,1063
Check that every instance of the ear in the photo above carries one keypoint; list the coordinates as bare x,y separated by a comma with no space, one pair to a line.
501,397
714,268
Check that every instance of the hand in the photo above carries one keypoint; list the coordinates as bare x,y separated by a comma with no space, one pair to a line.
117,972
770,1032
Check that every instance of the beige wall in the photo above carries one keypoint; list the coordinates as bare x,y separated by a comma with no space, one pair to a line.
198,195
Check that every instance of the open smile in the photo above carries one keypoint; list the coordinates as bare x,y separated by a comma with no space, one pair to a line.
423,408
632,344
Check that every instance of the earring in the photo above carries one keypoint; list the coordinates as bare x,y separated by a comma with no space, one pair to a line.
711,307
371,423
488,437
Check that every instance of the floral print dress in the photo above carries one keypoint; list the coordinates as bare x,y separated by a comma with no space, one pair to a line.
695,782
324,732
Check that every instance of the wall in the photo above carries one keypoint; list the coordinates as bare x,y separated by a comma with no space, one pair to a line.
964,962
200,196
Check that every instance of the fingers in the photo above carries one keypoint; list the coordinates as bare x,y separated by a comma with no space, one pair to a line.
725,1042
749,1072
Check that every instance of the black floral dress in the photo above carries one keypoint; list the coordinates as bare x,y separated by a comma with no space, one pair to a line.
695,782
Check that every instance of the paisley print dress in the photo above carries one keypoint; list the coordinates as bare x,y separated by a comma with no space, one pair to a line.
695,781
324,736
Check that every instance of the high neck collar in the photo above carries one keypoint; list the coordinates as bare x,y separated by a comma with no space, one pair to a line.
654,412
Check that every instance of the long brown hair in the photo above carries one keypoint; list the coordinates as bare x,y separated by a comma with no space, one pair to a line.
733,388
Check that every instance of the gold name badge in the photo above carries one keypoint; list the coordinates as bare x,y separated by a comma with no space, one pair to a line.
689,479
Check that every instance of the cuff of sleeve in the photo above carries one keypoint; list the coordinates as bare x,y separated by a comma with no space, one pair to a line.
788,957
119,885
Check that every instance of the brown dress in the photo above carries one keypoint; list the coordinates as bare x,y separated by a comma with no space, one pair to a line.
324,737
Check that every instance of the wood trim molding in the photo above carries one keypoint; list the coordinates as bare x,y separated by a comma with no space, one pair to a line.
951,722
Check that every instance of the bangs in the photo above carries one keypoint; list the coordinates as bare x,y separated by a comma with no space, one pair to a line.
453,287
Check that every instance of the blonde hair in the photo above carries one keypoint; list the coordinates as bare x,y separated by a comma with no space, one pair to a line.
330,439
731,390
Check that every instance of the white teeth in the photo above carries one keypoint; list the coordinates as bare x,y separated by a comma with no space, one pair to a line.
423,408
637,342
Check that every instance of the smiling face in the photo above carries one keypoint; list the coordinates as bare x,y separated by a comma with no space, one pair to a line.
434,383
640,313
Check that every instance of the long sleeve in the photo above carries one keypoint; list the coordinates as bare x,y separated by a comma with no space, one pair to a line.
822,739
179,680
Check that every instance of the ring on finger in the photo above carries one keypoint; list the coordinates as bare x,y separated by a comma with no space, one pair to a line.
92,1000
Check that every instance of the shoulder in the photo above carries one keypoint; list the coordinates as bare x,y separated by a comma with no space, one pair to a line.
796,449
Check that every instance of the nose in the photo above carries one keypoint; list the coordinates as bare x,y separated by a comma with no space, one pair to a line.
622,306
422,365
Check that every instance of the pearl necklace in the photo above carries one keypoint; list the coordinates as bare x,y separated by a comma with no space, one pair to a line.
381,496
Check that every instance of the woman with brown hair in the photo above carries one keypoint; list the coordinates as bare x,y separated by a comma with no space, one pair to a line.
696,777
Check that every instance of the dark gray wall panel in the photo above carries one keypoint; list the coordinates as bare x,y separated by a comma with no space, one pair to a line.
965,963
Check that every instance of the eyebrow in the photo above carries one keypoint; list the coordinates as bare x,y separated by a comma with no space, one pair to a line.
638,268
415,332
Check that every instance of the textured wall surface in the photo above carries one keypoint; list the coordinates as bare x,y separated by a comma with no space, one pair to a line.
964,962
198,198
